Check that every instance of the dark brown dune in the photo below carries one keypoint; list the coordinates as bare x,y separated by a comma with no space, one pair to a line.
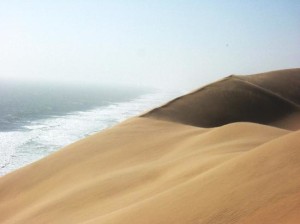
284,83
262,98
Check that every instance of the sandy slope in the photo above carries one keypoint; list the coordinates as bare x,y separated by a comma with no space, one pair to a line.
164,167
262,98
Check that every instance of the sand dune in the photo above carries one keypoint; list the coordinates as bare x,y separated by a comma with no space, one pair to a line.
262,98
226,153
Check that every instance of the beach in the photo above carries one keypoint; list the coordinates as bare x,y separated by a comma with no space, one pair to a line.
225,153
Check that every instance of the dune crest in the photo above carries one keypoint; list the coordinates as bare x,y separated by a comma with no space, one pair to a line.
262,98
227,153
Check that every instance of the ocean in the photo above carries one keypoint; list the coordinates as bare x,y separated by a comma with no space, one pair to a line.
38,119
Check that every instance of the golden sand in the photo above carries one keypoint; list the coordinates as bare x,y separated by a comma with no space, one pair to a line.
226,153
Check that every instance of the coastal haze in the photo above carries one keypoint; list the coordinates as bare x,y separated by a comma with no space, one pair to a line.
169,44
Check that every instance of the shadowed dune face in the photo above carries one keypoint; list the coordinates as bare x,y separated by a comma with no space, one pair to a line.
262,98
285,83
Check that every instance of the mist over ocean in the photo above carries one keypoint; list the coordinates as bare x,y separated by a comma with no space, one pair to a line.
37,119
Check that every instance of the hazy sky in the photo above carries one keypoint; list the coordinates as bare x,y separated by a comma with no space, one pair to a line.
166,43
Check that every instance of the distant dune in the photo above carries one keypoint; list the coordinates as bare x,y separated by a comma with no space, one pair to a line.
262,98
226,153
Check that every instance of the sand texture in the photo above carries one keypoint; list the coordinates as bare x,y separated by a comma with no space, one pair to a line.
226,153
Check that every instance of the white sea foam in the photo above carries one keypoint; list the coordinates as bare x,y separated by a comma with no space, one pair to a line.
41,137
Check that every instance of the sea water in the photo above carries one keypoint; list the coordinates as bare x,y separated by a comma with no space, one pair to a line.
38,119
